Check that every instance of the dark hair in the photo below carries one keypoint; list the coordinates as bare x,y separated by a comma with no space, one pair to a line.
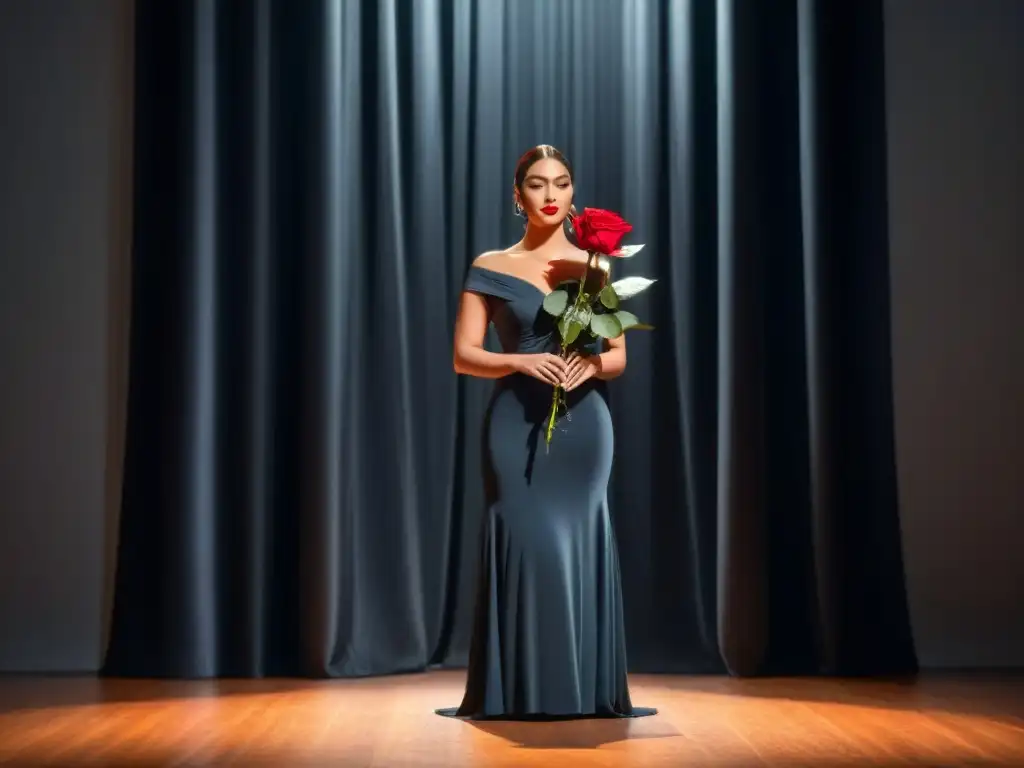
540,152
532,156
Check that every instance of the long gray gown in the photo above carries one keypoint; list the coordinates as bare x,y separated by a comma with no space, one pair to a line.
547,638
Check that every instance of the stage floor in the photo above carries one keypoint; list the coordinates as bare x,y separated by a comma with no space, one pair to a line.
937,720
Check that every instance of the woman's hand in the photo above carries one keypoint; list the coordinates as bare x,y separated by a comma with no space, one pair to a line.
550,369
580,368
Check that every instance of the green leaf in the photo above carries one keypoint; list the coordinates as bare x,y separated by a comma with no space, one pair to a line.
609,297
631,322
627,251
606,326
627,319
555,302
569,329
628,287
573,321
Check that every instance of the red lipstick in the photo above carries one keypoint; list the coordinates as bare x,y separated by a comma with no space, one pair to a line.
549,210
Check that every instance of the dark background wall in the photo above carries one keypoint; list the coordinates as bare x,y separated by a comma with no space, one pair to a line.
956,202
65,99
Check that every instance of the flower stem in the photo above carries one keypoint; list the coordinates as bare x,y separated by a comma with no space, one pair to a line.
555,400
558,396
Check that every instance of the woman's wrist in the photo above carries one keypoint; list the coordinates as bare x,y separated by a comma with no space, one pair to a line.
514,361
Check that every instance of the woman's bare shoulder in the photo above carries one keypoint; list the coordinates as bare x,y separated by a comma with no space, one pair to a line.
494,259
513,255
488,256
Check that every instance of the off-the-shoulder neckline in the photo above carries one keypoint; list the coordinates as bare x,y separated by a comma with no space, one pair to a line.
517,278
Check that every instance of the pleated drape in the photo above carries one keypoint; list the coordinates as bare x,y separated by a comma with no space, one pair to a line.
302,479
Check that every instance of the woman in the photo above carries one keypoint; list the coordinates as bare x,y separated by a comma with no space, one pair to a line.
548,632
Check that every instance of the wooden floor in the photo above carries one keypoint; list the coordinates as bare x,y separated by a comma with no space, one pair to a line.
703,721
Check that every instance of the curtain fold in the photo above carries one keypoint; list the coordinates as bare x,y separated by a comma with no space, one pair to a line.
302,488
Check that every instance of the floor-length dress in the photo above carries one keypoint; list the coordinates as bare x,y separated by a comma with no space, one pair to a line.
547,637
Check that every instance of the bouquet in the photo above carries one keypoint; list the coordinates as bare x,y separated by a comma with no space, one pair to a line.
585,312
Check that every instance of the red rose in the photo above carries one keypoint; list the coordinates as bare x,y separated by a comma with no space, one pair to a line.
600,231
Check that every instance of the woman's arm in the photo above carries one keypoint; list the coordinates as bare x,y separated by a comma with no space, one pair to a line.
470,356
612,362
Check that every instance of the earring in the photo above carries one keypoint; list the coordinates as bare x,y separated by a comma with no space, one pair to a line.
519,209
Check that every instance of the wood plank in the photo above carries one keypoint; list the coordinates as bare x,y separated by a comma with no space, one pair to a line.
389,721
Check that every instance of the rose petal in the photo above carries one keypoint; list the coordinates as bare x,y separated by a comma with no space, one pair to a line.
600,231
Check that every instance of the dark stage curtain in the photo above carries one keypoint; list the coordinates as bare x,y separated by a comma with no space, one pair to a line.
312,179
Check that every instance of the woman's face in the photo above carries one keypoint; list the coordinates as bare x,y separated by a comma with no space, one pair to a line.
546,192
